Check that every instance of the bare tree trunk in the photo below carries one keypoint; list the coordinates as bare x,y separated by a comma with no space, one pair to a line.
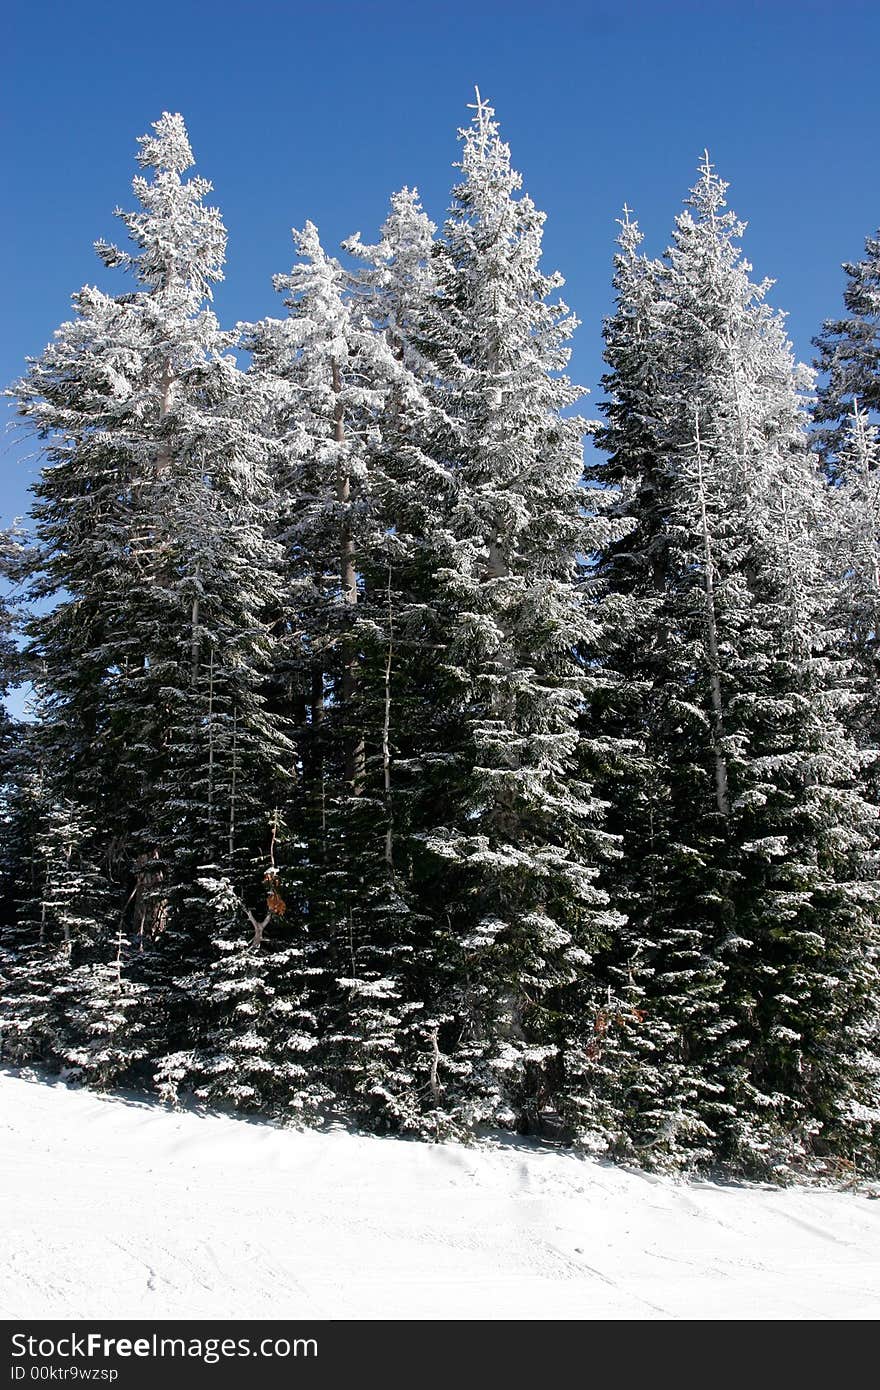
194,639
232,788
68,859
386,735
867,471
317,750
317,700
354,743
793,579
433,1079
737,402
722,795
166,383
150,905
211,739
275,905
496,564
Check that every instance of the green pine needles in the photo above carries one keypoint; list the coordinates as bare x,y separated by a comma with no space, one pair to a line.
392,766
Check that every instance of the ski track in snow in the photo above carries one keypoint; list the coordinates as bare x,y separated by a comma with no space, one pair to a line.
115,1207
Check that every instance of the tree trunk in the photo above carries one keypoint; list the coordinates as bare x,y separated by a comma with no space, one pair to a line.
722,795
317,749
354,743
386,735
232,788
211,741
163,456
195,654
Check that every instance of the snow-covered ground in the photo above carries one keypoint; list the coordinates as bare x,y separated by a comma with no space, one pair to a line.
117,1208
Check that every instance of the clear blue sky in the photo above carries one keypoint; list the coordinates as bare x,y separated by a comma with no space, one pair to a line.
321,110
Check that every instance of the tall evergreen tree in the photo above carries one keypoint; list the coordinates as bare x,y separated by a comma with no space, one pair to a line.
12,749
648,1068
384,770
336,381
152,549
849,358
852,534
749,949
511,833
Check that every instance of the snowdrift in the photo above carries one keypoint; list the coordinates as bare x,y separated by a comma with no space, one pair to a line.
115,1207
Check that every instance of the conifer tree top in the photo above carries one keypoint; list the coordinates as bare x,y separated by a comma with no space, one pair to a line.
707,194
485,152
168,148
182,241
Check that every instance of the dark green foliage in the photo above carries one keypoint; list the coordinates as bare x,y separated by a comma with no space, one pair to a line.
387,768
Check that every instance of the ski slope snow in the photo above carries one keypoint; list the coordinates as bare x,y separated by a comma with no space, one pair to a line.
115,1207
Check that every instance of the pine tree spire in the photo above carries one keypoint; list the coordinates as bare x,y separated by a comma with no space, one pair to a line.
168,148
708,193
727,690
150,663
182,240
485,161
849,358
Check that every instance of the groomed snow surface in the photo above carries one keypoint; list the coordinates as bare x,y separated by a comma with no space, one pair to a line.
117,1208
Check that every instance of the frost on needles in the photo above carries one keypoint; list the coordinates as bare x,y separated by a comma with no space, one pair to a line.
391,766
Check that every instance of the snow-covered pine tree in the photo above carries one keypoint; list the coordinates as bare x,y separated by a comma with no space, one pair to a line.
254,1052
749,944
12,750
849,358
603,1071
394,284
48,896
803,991
852,527
53,967
396,1007
31,966
643,1065
511,834
334,379
23,1008
152,549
